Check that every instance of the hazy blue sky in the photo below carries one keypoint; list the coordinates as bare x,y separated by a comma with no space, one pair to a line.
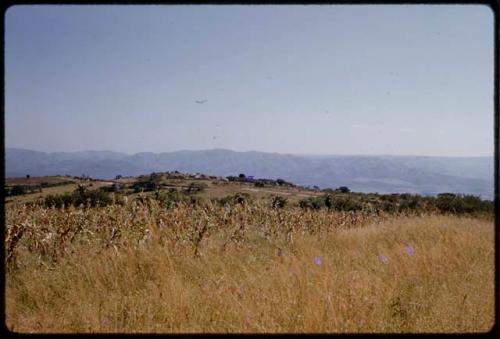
330,79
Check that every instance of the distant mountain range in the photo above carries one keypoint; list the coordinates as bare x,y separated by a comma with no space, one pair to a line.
383,174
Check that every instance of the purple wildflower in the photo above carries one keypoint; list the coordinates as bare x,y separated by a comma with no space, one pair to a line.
317,261
409,250
383,259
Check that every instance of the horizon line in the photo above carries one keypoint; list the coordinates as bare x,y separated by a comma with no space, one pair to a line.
257,151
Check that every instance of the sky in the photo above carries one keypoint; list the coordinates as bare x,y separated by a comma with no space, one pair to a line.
297,79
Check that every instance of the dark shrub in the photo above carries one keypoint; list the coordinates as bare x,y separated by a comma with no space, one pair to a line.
282,182
78,197
238,198
18,190
449,202
409,203
305,204
24,189
94,198
343,189
146,186
312,203
475,204
388,207
345,204
173,197
81,189
317,203
58,200
455,203
328,201
278,202
390,197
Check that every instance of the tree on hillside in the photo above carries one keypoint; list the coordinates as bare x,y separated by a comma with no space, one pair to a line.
328,201
344,189
81,189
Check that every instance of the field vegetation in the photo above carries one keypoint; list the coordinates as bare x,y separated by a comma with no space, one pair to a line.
173,260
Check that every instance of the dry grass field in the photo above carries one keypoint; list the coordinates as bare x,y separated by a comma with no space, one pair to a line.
224,189
134,267
38,180
61,189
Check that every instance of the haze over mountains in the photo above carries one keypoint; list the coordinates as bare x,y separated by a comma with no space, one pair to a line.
382,174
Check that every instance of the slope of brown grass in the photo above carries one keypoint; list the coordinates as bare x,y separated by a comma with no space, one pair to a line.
53,180
68,188
140,268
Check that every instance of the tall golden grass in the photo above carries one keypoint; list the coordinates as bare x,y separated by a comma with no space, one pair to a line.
141,268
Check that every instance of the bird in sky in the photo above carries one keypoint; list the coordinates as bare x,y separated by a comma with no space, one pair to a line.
201,101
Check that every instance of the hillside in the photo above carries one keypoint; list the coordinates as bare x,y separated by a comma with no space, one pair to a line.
383,174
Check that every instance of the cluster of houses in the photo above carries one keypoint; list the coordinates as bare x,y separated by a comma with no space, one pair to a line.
239,178
184,176
149,182
83,177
